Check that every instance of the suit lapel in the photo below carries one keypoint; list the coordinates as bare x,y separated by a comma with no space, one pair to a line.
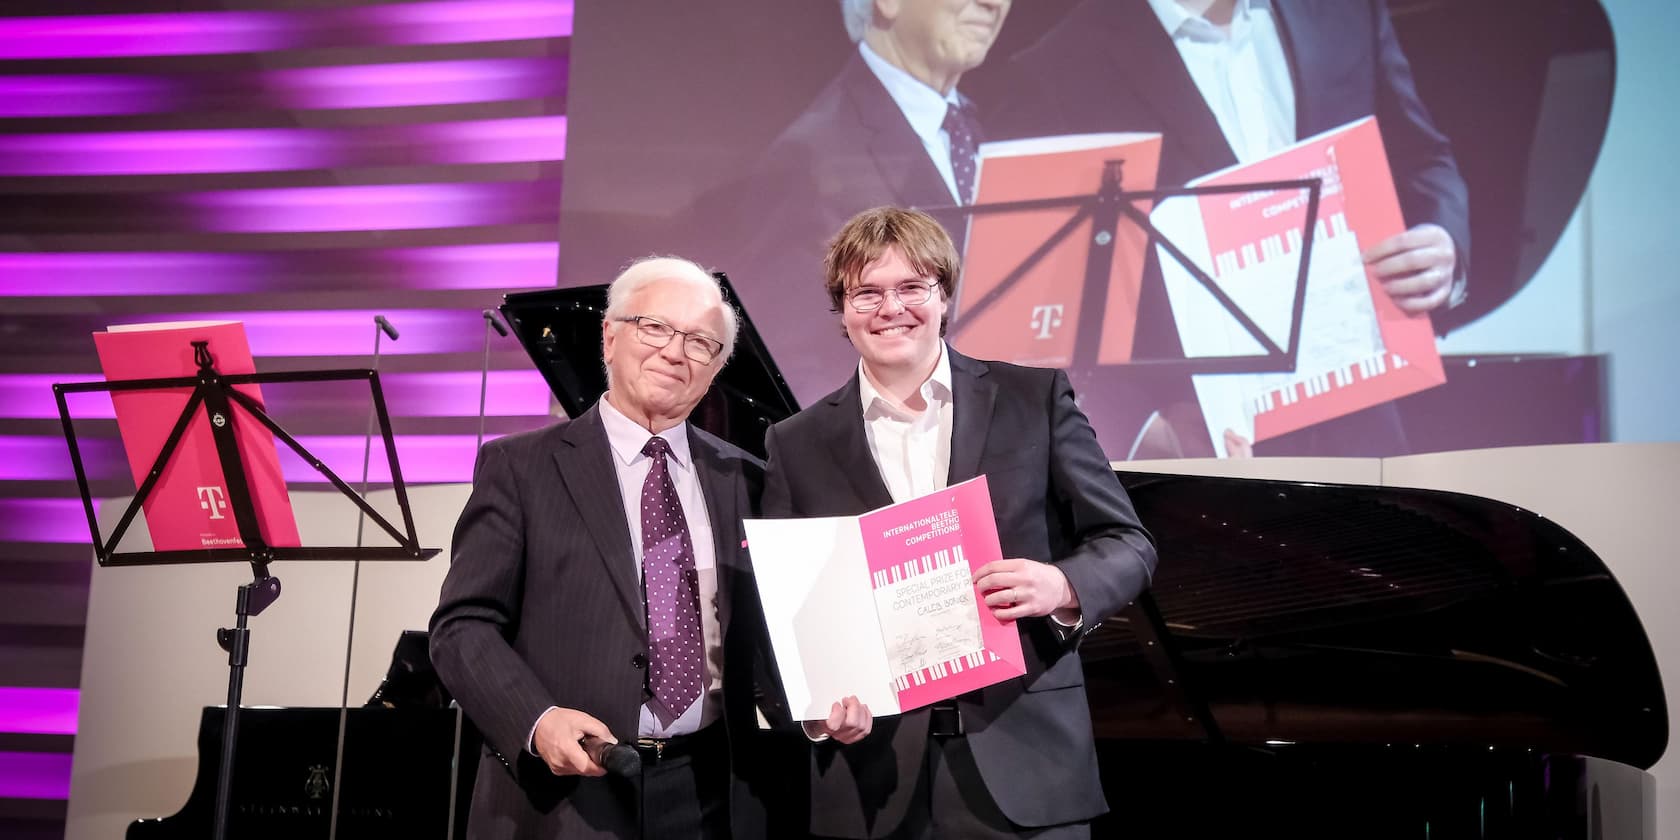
972,397
848,446
898,153
716,483
586,469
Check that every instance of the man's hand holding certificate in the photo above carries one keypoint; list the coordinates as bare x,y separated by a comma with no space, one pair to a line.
886,607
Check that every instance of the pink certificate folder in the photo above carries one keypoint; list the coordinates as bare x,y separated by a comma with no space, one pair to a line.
188,509
910,542
883,606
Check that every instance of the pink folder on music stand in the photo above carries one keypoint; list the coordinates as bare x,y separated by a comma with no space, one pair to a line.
188,509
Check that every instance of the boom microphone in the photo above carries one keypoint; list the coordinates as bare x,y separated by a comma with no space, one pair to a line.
380,326
491,317
618,759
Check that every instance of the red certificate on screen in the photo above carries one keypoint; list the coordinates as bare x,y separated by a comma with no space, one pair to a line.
1357,348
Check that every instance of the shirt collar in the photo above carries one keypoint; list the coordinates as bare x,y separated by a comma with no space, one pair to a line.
923,106
1179,22
937,388
626,437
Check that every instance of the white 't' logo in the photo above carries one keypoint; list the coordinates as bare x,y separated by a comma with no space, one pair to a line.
214,500
1046,318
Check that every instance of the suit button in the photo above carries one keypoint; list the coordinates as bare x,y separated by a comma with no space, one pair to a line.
638,661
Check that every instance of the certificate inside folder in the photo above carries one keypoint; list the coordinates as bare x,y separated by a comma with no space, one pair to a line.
1356,347
883,605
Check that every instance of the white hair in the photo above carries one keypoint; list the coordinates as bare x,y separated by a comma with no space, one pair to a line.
646,271
857,14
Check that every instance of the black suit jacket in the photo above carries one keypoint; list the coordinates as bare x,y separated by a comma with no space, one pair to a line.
1056,500
542,607
850,150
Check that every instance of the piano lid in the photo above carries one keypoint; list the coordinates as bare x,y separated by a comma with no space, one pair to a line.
1297,613
561,329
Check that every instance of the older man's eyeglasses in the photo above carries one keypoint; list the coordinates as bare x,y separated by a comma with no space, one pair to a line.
656,333
909,293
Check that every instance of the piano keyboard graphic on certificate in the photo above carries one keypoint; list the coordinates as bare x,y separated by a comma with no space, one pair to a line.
919,565
941,670
1318,385
928,610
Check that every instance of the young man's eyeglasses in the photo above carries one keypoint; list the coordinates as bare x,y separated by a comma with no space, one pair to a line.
909,293
656,333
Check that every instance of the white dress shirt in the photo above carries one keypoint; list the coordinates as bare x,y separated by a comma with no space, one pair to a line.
1243,74
912,448
924,107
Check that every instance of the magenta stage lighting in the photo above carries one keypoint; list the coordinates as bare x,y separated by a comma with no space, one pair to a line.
173,33
26,775
425,459
510,393
85,95
497,265
411,83
374,207
220,33
38,711
200,151
28,396
341,332
45,520
168,152
47,458
338,87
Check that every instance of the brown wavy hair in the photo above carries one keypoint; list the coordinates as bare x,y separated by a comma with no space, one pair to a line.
869,234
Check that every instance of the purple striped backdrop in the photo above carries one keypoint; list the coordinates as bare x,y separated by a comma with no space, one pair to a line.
390,85
298,167
211,33
505,265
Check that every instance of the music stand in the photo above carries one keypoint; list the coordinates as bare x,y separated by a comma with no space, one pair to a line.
217,394
1104,209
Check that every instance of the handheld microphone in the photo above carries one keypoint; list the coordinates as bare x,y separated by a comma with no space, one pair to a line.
495,323
385,326
618,759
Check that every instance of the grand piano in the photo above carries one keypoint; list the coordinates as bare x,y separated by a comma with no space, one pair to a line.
1313,660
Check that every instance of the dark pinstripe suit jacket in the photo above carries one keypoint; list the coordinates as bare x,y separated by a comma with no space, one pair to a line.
542,607
1056,500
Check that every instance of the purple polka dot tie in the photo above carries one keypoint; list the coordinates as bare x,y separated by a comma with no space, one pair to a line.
678,659
963,127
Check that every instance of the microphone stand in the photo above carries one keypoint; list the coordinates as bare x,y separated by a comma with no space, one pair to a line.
382,328
490,323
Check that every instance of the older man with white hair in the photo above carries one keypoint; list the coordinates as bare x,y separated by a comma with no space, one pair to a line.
599,591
